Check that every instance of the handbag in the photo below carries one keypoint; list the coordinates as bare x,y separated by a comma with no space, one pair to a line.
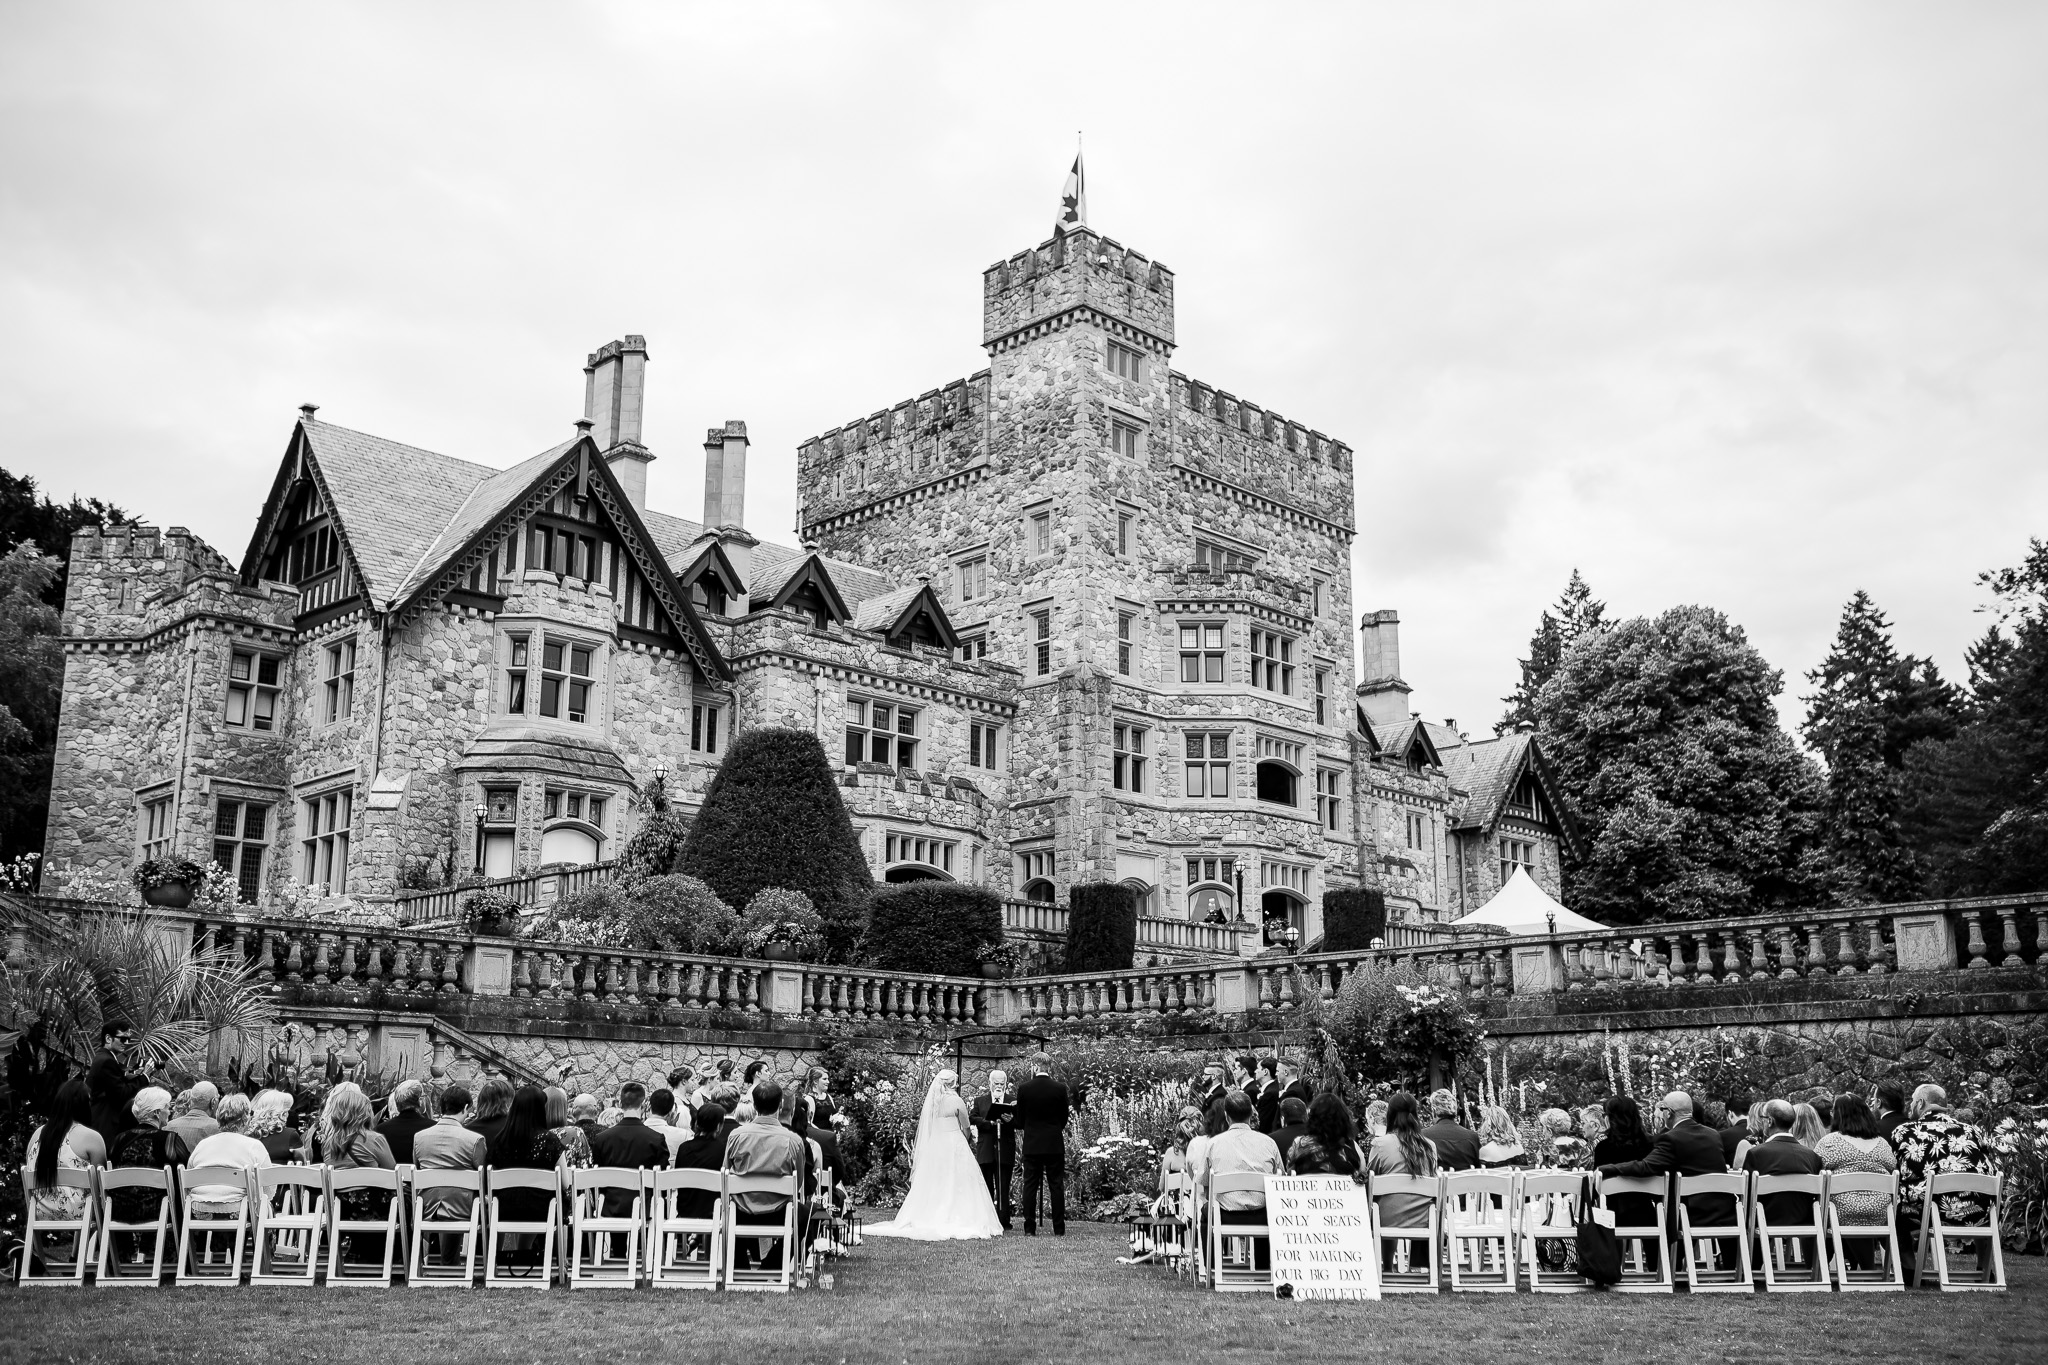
1599,1249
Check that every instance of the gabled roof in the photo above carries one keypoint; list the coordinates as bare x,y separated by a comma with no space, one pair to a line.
1402,738
710,558
779,587
892,613
1487,771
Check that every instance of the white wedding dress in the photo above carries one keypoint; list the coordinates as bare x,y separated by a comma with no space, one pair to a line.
948,1199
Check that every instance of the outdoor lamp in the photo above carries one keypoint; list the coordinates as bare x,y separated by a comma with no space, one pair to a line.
481,812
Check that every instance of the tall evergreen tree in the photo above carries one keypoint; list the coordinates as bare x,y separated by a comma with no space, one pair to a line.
1870,705
1577,613
1693,801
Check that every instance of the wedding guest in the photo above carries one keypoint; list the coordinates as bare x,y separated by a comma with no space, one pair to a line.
823,1111
270,1124
727,1097
1244,1071
1855,1147
1732,1129
705,1151
231,1147
583,1112
343,1137
1457,1147
147,1144
575,1142
1500,1145
192,1114
1806,1125
1266,1096
629,1143
1329,1141
678,1080
405,1119
1241,1149
526,1143
763,1147
825,1148
1824,1110
67,1142
1174,1160
1934,1141
1891,1107
493,1102
1214,1121
1292,1086
1755,1129
1623,1139
447,1144
1375,1119
661,1116
1782,1153
1210,1089
753,1072
1404,1149
1685,1147
111,1085
1293,1123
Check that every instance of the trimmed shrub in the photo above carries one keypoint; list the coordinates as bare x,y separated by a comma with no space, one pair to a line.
785,917
655,846
674,914
773,818
1352,918
1102,927
937,927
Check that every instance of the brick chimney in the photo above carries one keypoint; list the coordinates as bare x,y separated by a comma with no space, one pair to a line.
725,495
1380,689
614,388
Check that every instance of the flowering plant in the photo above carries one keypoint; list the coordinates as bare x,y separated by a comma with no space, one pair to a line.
779,916
1118,1164
168,869
2019,1148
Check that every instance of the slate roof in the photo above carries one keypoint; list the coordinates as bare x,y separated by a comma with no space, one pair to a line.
1485,770
880,613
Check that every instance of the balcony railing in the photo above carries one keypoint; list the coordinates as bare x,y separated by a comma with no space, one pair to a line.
1154,935
533,889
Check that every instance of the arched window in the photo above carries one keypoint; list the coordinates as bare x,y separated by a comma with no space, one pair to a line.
1040,891
1142,894
1281,908
568,844
1277,783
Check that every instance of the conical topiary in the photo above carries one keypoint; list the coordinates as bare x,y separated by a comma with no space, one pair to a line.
773,817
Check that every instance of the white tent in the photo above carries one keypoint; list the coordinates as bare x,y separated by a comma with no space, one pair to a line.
1524,908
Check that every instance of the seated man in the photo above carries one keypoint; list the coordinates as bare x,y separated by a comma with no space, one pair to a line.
448,1145
1293,1123
763,1147
407,1121
1457,1147
1686,1147
1238,1149
1935,1140
1782,1154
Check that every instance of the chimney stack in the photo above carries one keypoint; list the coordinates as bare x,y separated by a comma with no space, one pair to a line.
614,388
725,476
1380,689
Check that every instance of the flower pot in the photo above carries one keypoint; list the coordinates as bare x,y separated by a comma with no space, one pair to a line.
168,896
778,952
993,971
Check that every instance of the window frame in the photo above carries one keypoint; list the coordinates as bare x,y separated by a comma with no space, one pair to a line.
1209,653
1041,641
1038,533
1215,555
527,677
338,681
257,699
1201,770
1127,756
153,825
900,742
1125,438
1330,798
704,719
1125,362
1269,668
325,829
242,845
1126,643
971,577
982,740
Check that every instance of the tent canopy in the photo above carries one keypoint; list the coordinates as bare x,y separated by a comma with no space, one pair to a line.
1524,908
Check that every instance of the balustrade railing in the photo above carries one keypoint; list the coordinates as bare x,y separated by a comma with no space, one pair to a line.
532,889
1155,934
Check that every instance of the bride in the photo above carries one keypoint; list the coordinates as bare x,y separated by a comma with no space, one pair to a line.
948,1198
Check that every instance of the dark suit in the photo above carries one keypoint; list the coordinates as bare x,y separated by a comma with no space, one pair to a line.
399,1130
1283,1138
1042,1110
1298,1089
1204,1098
1732,1137
1687,1148
1888,1121
1783,1154
995,1150
1268,1102
629,1143
1457,1147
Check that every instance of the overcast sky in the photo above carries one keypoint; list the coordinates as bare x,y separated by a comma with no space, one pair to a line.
1744,305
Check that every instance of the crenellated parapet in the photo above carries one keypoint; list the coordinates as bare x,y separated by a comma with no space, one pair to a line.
133,587
1075,272
915,442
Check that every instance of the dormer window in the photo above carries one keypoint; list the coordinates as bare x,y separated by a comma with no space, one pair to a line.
707,595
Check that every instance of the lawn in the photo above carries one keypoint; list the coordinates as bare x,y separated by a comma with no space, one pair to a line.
1018,1299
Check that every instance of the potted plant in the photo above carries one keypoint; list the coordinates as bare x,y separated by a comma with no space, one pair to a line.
999,958
491,914
487,967
784,940
168,881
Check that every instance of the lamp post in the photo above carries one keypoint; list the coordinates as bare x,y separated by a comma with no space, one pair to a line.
481,812
659,797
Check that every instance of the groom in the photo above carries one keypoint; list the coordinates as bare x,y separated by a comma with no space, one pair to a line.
1042,1109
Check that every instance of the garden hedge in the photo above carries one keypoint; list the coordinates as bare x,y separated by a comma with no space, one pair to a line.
1352,918
1102,927
931,927
773,817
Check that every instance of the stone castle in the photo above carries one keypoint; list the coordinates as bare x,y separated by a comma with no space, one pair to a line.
1077,617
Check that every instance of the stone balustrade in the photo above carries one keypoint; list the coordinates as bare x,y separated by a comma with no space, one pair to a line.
534,889
330,961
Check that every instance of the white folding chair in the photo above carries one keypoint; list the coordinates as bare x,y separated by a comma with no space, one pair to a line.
1548,1206
214,1204
57,1250
1236,1269
1641,1243
291,1213
1408,1255
497,1228
116,1266
436,1194
1792,1256
756,1277
593,1233
1479,1231
348,1233
1882,1238
1936,1232
1701,1247
686,1253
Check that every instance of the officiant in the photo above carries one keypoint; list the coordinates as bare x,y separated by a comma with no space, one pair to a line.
995,1139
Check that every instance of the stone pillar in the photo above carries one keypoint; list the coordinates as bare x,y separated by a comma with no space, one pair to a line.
1925,942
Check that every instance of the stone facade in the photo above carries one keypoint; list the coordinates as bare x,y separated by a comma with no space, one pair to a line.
1077,617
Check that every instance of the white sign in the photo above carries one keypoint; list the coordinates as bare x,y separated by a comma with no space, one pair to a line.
1323,1247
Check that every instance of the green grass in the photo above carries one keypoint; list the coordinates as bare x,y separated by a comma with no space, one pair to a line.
1018,1299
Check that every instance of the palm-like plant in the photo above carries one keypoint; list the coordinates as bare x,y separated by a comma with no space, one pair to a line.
121,968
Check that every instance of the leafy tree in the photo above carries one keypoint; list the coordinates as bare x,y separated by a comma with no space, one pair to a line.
31,687
1693,801
26,518
1577,613
936,927
773,817
1102,927
1975,809
1870,705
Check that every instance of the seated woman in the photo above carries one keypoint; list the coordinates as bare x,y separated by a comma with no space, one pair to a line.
1856,1147
575,1142
67,1142
1402,1150
1330,1146
1500,1144
1625,1141
230,1147
344,1139
270,1124
525,1143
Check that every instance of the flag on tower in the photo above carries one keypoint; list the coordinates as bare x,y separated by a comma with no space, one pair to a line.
1073,200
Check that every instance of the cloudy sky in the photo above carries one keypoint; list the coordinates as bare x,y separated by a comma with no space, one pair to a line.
1741,304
